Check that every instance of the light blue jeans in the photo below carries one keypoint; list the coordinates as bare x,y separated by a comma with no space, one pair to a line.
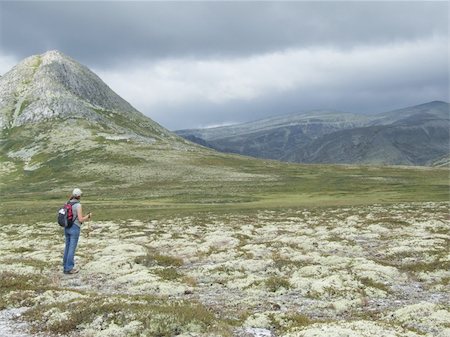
72,235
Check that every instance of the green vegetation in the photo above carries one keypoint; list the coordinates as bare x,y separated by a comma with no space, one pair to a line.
421,266
153,316
153,258
33,196
18,290
288,321
368,282
124,180
282,263
275,283
169,274
142,126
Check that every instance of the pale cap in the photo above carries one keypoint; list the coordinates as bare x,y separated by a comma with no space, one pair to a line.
76,192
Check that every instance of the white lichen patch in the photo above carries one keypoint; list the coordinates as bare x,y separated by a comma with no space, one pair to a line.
7,167
100,328
55,316
357,271
258,320
424,316
18,268
352,329
53,297
25,154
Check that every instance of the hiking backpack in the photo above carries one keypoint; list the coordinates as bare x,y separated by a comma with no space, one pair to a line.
65,215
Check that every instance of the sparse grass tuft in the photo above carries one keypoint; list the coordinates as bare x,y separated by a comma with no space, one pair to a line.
299,320
21,287
283,263
14,281
368,282
166,260
169,274
285,322
420,266
21,250
153,258
275,283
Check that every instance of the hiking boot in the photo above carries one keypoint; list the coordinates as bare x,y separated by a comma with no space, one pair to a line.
72,271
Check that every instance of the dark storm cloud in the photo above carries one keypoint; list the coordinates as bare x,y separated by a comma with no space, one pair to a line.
98,33
361,79
361,100
190,64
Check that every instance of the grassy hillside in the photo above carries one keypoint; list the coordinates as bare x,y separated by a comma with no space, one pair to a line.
126,178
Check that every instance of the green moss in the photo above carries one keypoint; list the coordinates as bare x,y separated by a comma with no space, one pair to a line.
14,281
165,260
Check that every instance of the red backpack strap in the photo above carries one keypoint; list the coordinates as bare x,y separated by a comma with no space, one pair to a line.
70,209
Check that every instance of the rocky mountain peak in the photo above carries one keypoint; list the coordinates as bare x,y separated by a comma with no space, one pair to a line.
54,56
53,85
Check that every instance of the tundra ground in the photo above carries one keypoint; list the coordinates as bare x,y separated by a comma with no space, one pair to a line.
313,271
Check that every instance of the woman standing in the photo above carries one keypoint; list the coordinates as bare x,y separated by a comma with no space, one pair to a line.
72,233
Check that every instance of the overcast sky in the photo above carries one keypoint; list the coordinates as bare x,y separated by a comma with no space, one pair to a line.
197,64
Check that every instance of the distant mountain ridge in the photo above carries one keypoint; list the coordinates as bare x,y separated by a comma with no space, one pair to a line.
417,135
438,109
308,120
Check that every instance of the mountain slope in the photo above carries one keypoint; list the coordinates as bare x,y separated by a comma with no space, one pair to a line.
62,126
53,85
415,135
435,109
312,123
274,137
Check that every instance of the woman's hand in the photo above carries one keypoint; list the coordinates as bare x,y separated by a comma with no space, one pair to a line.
80,215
